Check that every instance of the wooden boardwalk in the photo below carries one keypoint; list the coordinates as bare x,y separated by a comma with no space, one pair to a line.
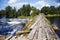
40,30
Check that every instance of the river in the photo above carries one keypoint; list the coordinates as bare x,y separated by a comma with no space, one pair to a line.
55,21
8,26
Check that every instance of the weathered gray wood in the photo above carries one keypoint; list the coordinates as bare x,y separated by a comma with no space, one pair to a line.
22,38
41,30
32,33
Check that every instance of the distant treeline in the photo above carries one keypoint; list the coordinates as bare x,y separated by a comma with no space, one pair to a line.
27,10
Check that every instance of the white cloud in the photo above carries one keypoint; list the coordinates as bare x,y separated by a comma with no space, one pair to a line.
40,4
12,1
58,4
18,5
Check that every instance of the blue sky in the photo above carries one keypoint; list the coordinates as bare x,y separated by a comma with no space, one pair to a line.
36,3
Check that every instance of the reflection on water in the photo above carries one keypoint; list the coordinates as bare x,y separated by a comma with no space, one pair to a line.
8,26
55,21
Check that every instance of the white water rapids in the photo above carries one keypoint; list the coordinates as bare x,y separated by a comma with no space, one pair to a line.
10,26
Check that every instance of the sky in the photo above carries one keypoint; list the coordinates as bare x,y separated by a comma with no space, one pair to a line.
36,3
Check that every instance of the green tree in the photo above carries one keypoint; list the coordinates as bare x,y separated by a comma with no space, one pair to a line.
8,11
49,10
58,9
52,10
25,10
35,11
13,12
2,13
45,10
28,9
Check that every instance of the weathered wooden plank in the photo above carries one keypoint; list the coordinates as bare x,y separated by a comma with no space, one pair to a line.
41,30
22,32
22,38
32,33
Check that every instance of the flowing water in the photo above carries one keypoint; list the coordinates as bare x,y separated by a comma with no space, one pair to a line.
10,26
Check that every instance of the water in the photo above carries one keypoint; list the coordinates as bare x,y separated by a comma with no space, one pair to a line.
10,26
55,21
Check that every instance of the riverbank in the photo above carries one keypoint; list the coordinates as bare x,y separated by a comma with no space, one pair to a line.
27,26
26,16
48,15
52,15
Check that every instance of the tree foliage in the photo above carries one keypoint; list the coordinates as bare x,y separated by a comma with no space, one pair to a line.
35,11
45,10
58,9
50,10
25,10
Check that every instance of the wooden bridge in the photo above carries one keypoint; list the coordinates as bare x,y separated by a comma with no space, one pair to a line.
40,30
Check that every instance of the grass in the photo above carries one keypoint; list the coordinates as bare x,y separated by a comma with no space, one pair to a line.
52,15
28,24
25,16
